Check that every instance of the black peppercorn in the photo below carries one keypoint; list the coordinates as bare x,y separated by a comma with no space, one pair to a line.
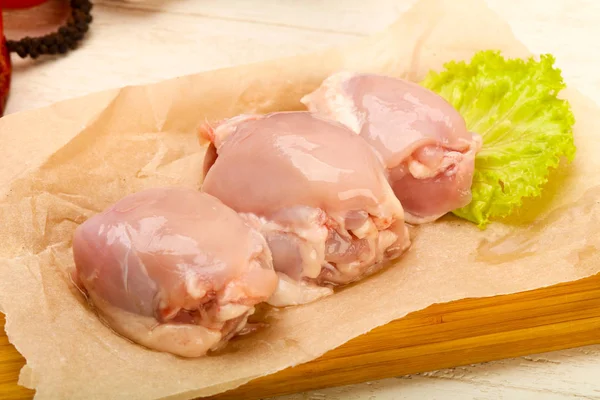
20,50
65,38
48,40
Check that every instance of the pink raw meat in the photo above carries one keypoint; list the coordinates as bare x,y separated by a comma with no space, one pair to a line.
422,140
173,269
318,193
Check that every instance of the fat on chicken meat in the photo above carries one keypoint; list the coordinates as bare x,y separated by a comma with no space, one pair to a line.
315,190
423,141
173,269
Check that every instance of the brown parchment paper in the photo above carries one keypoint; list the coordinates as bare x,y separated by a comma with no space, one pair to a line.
61,164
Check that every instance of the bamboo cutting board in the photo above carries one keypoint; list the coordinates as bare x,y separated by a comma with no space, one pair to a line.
442,336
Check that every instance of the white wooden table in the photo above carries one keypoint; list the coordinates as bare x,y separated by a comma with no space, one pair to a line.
145,41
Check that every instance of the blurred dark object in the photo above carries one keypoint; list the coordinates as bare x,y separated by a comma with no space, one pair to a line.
5,67
59,41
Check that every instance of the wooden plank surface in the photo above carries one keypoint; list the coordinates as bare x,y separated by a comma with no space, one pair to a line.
441,336
449,335
11,363
145,41
140,42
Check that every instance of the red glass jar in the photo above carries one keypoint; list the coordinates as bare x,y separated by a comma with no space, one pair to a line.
13,4
5,66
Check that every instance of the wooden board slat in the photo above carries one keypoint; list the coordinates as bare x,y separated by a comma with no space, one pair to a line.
10,365
442,336
353,17
141,42
132,46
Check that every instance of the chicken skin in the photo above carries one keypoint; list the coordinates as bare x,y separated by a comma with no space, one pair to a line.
315,190
173,269
423,141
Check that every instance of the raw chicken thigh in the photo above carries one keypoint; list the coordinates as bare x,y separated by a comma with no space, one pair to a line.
315,190
173,269
422,139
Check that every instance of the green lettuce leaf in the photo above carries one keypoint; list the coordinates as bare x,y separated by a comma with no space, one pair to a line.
526,128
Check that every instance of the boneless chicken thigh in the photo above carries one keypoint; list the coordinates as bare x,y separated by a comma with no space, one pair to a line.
422,139
173,269
316,191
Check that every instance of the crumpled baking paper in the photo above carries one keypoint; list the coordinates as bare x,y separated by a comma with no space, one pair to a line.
61,164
